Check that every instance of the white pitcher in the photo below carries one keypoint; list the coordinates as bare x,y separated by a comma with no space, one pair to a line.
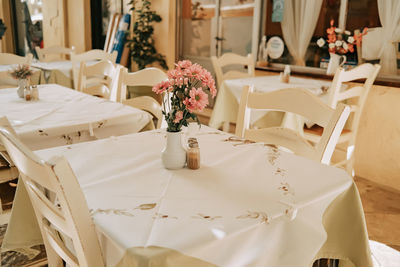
334,63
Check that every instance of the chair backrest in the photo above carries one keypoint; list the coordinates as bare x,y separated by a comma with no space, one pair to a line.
148,104
232,59
298,101
336,94
91,55
97,79
145,77
65,213
10,59
49,53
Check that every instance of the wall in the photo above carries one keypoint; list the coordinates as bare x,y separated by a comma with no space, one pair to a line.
165,31
54,23
6,43
378,141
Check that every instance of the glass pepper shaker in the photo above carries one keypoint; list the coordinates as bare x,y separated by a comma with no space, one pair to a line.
193,154
35,92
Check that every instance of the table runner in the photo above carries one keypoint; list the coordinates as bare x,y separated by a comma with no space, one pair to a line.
233,211
227,103
64,116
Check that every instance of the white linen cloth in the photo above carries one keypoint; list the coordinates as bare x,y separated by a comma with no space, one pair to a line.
226,105
266,211
389,15
64,116
299,20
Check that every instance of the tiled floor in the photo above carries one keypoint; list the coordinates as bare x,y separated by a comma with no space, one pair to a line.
382,212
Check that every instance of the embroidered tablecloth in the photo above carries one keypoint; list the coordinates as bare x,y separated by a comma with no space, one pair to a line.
248,204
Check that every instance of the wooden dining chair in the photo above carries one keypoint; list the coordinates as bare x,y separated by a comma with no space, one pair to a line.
97,79
54,53
68,216
147,104
232,59
91,55
146,77
11,59
357,94
298,101
8,171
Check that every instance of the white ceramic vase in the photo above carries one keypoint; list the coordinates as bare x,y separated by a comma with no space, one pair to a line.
21,86
334,63
174,155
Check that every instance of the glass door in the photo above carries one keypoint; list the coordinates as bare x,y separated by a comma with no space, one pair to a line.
214,27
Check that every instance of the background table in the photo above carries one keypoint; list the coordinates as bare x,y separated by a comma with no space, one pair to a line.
65,116
7,81
272,210
58,72
227,103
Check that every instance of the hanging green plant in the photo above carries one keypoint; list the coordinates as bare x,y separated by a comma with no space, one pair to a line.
142,49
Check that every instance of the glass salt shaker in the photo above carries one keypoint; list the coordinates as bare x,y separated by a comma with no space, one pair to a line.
35,92
193,154
27,93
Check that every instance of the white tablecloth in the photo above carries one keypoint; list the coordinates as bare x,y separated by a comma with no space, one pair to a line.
248,204
64,116
227,103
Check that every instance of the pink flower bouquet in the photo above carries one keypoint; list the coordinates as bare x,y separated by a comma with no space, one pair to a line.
187,86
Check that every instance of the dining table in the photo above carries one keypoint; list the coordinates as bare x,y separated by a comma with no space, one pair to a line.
227,103
57,72
249,204
64,116
7,81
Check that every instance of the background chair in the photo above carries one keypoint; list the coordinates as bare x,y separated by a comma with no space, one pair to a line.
148,104
54,53
69,217
91,55
146,77
97,79
232,59
8,171
11,59
298,101
358,95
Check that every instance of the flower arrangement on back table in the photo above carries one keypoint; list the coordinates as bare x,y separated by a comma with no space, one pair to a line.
21,72
341,41
187,85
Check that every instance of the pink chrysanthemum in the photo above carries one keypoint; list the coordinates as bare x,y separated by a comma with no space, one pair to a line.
178,116
198,100
184,64
161,87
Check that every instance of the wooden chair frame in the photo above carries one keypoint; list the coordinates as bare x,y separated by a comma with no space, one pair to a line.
11,59
69,217
148,104
44,53
301,102
95,54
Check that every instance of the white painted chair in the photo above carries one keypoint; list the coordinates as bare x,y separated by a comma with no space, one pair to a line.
231,59
91,55
97,79
69,217
359,94
148,104
6,173
298,101
54,53
145,77
11,59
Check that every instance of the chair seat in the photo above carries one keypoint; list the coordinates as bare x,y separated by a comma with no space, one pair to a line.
314,134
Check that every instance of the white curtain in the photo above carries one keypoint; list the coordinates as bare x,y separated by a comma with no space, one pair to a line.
298,25
389,14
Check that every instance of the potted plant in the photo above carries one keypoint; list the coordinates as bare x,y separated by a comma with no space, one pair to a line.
186,90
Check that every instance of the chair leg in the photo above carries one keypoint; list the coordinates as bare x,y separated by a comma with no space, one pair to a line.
226,126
